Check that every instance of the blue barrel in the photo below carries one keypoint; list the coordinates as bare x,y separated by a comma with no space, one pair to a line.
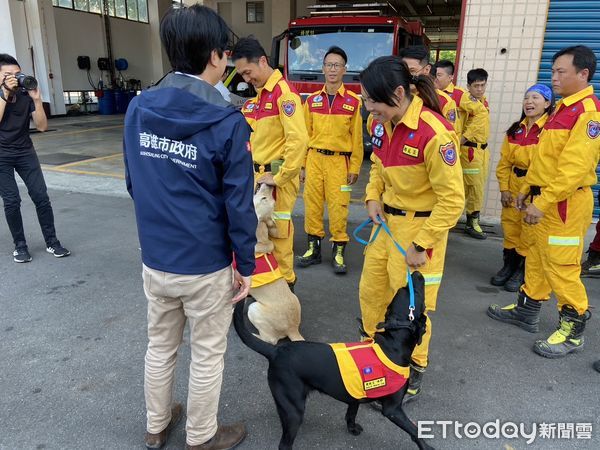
121,101
106,103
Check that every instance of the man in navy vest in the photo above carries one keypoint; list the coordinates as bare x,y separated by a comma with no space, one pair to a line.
189,171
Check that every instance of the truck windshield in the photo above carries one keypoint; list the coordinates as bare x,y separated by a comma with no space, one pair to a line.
362,44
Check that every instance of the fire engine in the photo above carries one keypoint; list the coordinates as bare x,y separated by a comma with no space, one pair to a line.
364,30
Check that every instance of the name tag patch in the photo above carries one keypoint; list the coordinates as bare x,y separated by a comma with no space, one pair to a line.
268,106
374,384
348,107
317,104
411,151
376,142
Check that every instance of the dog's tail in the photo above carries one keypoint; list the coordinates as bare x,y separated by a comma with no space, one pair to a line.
256,344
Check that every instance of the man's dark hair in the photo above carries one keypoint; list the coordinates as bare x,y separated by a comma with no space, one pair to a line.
583,58
248,48
418,52
475,75
190,34
335,50
448,66
7,60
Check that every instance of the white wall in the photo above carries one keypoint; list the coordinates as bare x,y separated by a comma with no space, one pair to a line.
490,26
82,34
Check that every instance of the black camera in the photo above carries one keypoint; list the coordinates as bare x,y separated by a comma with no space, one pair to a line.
27,82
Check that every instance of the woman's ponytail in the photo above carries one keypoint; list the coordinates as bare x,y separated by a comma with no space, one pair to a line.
427,92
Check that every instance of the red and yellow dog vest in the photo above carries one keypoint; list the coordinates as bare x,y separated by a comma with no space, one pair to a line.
367,372
266,270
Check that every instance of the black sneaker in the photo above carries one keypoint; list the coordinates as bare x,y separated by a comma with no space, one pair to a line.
58,250
21,254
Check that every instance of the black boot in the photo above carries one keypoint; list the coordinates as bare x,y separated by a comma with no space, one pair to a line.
313,254
517,279
473,228
415,381
525,313
503,275
591,266
337,257
568,337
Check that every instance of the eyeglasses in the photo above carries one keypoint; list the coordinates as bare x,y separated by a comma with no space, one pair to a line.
414,72
336,66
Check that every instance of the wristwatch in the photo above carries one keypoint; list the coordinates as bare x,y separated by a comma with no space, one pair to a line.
418,248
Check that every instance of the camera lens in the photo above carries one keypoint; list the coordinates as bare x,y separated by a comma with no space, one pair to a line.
27,82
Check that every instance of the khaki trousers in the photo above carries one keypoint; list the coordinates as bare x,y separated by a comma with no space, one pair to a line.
205,302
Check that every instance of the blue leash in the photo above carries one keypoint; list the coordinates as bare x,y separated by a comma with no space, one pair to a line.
383,225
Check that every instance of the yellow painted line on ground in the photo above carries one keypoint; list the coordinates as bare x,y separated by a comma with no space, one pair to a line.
67,133
85,161
84,172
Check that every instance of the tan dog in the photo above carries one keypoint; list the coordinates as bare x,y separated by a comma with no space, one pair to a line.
276,312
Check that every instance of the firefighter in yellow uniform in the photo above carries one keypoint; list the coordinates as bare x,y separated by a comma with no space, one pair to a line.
559,183
416,58
415,186
335,153
473,129
520,142
474,152
278,142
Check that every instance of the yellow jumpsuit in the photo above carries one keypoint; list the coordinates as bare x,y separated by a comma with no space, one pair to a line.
515,157
279,133
474,126
564,168
416,169
335,149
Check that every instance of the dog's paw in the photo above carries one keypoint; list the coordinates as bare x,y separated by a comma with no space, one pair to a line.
355,429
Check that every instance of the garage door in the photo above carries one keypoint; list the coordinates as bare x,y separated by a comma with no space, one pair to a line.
572,23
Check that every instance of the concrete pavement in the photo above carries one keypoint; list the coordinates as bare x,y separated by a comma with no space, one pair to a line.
73,342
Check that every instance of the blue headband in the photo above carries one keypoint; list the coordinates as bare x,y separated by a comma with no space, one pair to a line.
543,90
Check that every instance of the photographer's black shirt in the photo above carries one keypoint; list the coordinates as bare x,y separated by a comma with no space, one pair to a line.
14,127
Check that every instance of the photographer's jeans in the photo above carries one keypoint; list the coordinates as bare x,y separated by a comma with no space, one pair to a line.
205,302
28,167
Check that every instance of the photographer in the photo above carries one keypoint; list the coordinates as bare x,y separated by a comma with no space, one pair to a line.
17,106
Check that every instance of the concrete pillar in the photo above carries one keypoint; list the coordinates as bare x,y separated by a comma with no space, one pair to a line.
506,39
160,61
42,52
7,37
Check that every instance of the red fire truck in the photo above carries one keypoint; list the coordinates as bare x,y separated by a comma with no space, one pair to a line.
364,30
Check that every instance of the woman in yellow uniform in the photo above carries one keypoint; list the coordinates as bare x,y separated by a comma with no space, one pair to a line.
519,144
415,186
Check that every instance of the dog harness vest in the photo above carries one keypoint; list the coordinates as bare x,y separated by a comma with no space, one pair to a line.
367,372
266,270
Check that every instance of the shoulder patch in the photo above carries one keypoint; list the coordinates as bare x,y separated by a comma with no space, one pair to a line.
593,129
448,152
379,130
452,115
472,97
317,99
289,107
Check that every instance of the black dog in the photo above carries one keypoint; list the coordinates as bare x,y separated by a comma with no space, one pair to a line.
296,368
